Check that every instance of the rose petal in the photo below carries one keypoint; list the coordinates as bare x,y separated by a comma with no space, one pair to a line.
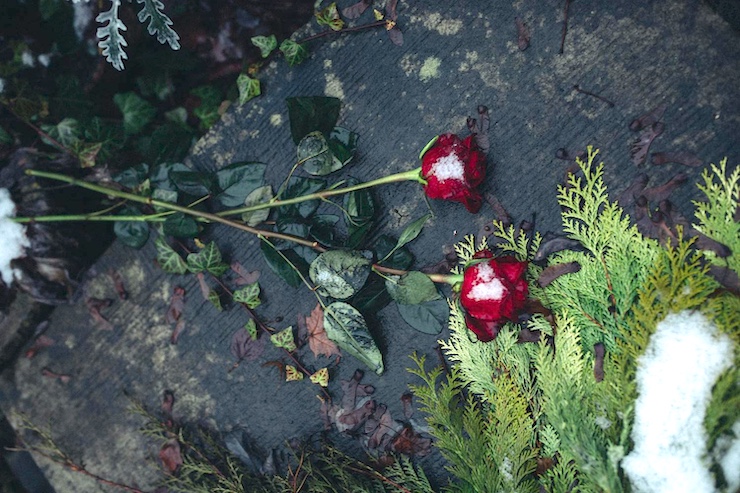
484,330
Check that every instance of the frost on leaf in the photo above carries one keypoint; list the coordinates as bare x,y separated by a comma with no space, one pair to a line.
112,41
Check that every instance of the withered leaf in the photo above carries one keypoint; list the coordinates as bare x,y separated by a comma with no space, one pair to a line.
244,347
205,289
552,242
94,305
390,9
633,191
41,342
726,277
648,119
170,455
244,276
641,145
411,443
662,192
118,284
522,34
599,361
177,305
352,419
396,36
408,407
179,327
356,9
554,271
64,378
318,341
381,428
685,158
168,403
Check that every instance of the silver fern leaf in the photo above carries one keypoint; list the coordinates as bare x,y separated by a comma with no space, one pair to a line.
112,41
159,23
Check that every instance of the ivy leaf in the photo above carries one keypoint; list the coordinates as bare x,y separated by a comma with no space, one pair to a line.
321,377
314,154
265,43
168,259
132,177
248,88
347,327
215,299
165,196
131,233
180,226
294,52
259,195
251,329
66,132
210,100
343,144
312,113
284,339
237,180
340,273
412,288
208,259
249,295
159,176
137,112
296,187
292,374
429,317
318,341
329,16
280,266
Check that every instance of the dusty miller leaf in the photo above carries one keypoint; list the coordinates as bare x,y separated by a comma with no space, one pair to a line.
112,41
137,112
347,327
159,23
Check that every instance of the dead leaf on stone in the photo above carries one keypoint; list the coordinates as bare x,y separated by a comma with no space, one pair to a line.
356,9
243,347
244,276
381,427
411,443
118,284
177,305
641,146
40,343
662,192
94,305
177,331
170,455
205,289
318,341
522,34
648,119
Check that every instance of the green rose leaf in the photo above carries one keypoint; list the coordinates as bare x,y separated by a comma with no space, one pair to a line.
160,175
395,258
259,195
215,299
343,144
180,226
322,228
429,317
294,52
347,327
340,273
249,295
373,296
284,339
132,177
296,187
192,183
310,114
137,112
168,259
236,181
208,259
316,157
412,288
265,43
248,88
281,267
131,233
412,231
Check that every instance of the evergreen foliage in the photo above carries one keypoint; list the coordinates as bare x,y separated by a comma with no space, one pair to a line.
539,409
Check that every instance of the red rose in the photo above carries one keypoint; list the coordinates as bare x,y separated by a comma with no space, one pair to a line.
493,291
454,169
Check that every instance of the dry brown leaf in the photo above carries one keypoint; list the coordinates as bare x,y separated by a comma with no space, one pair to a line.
318,341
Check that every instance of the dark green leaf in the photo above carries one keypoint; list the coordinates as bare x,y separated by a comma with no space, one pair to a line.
298,186
193,183
132,177
208,259
429,317
412,231
131,233
248,88
306,253
373,296
165,196
310,114
343,144
400,259
259,195
282,268
249,295
210,100
137,112
314,154
66,132
168,259
265,43
180,226
412,288
294,52
322,228
289,226
340,273
357,235
168,142
5,137
359,204
236,181
160,175
347,327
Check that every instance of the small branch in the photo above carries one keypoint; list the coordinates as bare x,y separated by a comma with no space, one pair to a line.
565,26
329,32
577,88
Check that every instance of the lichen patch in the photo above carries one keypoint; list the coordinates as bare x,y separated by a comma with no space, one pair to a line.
430,69
435,22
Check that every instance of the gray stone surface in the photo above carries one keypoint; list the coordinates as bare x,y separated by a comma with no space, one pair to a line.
455,56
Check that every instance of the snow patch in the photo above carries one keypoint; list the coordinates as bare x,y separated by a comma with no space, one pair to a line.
486,285
449,167
675,376
13,235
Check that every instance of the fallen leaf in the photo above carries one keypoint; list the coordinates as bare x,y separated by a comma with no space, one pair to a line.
118,284
321,377
648,119
641,145
179,327
554,271
411,443
293,374
170,455
381,428
318,341
94,305
522,34
41,342
244,347
177,305
356,9
168,402
244,276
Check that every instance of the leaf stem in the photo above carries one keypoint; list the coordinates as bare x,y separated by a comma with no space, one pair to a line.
412,175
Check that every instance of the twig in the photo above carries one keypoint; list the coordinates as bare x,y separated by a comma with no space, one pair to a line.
577,88
565,25
329,32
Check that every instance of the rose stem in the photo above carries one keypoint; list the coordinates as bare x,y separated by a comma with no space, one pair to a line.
577,88
565,26
412,175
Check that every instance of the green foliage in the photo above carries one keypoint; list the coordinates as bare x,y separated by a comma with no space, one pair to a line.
249,295
566,417
137,112
207,260
266,44
249,88
294,52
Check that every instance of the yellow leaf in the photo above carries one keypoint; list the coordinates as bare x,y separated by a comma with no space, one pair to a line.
293,374
321,377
